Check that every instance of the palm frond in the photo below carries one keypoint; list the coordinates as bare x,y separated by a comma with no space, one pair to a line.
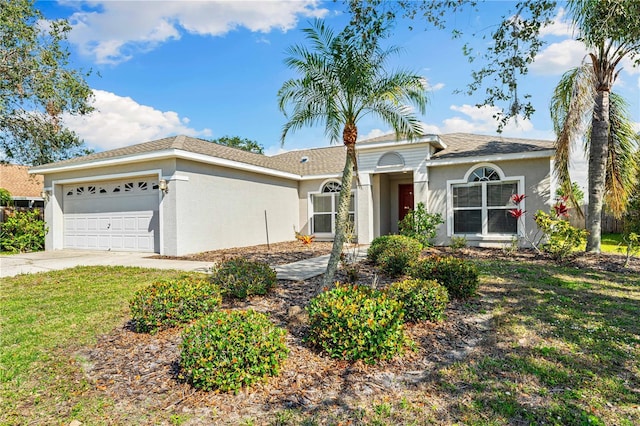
622,164
341,80
571,108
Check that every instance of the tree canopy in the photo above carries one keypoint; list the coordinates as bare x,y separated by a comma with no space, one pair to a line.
341,79
37,87
240,143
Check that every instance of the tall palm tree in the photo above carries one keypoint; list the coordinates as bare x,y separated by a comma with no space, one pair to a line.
611,30
572,108
342,79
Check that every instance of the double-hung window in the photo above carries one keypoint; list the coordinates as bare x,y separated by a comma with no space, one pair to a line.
481,205
325,209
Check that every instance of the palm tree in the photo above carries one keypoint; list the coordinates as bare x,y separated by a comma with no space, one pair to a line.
342,79
611,30
572,107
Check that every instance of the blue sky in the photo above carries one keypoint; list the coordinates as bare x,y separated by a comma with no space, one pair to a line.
210,69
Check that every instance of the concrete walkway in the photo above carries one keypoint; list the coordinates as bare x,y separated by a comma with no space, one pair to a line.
44,261
309,268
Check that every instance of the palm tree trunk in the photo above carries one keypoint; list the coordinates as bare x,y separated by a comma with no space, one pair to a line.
598,154
341,221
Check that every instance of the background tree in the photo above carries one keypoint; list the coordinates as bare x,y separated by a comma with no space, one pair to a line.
37,87
343,78
240,143
609,28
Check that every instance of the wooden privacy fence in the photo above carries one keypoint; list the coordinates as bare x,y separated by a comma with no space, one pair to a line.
609,224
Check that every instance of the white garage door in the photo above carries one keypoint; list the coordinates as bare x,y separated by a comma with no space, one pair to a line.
112,215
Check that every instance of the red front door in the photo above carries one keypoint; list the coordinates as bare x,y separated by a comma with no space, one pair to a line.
405,199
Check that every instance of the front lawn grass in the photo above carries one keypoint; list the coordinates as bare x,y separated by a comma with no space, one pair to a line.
45,315
613,243
563,349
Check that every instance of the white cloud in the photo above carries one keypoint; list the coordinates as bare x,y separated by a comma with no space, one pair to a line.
559,27
114,30
120,121
478,120
374,133
435,87
481,120
557,58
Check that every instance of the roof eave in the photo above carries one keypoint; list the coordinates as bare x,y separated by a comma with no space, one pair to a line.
161,155
436,162
433,140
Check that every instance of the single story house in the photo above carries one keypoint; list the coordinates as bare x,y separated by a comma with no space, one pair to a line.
25,189
183,195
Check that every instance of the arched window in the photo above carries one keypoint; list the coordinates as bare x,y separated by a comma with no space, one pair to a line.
481,205
331,186
324,207
483,174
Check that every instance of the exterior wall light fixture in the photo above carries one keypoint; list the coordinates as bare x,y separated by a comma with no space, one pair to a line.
163,186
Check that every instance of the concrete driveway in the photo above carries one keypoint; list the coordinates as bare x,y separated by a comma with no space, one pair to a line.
27,263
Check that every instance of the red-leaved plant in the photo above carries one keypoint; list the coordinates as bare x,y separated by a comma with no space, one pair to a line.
555,235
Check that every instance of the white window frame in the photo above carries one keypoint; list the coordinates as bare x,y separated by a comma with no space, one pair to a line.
484,235
333,213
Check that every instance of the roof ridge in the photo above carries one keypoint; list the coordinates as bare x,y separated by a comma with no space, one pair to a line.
178,142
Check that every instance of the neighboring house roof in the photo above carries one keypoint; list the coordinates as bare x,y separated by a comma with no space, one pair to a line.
469,145
305,162
19,183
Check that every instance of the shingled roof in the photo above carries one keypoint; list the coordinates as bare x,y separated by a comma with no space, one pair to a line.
310,162
19,183
469,145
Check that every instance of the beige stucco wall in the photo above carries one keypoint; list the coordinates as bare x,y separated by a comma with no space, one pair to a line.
537,187
220,207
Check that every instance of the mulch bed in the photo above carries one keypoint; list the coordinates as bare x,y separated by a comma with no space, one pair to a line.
273,254
140,371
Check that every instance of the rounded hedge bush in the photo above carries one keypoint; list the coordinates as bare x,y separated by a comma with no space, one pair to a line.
351,323
240,277
459,276
165,304
230,349
421,299
394,253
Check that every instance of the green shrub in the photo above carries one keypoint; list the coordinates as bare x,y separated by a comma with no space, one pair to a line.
351,323
230,349
420,225
240,277
166,304
22,231
5,197
459,276
458,243
394,253
421,299
560,237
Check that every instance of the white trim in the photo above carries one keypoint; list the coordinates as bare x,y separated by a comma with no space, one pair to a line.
207,159
316,177
427,140
176,178
111,176
503,178
165,154
491,158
